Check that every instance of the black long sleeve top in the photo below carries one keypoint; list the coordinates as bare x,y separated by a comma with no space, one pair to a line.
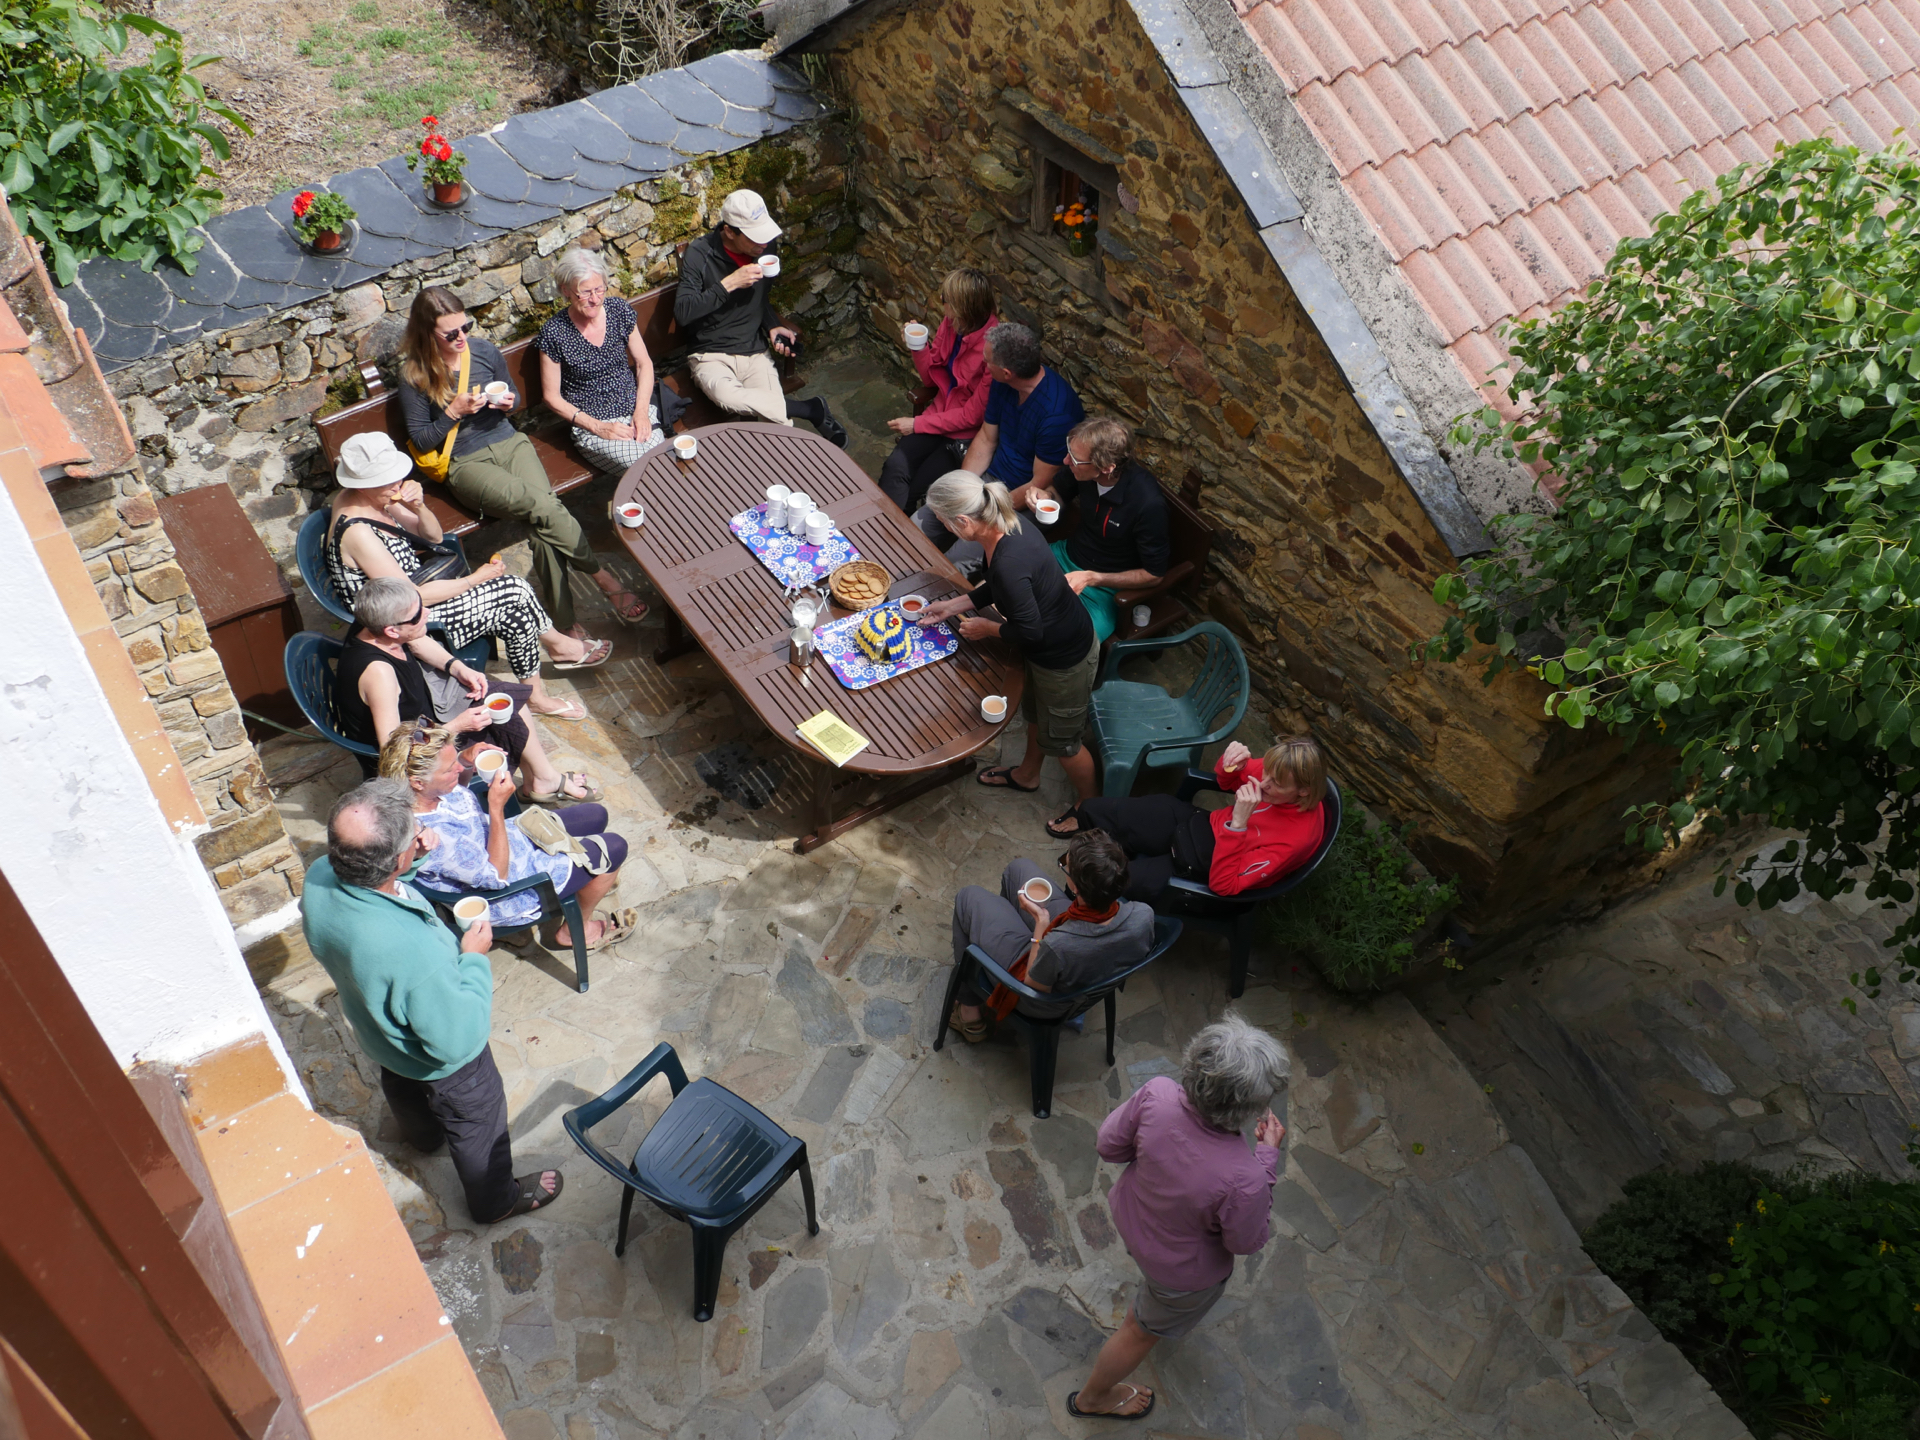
1041,615
428,423
721,321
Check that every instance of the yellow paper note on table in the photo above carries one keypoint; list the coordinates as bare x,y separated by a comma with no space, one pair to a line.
832,737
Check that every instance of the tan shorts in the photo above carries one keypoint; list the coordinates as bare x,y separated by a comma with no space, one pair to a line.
1170,1314
1056,703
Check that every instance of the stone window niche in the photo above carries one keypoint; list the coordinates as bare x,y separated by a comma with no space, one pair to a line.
1068,165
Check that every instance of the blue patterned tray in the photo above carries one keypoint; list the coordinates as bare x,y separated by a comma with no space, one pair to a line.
791,561
850,664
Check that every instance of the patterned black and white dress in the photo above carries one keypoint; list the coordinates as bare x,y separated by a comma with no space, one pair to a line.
505,607
600,380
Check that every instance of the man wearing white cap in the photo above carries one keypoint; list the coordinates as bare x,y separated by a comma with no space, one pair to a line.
723,302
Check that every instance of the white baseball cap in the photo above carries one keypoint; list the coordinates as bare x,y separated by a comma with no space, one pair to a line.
746,212
371,460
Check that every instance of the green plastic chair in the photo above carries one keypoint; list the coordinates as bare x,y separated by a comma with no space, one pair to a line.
1136,724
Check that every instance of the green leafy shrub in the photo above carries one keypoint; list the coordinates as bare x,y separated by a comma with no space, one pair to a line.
99,160
1797,1298
1361,912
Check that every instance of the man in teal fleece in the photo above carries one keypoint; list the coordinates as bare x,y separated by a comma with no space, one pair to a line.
419,999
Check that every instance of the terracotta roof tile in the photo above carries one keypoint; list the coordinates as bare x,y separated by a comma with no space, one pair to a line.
1449,67
1434,27
1430,91
1460,20
1527,73
1765,138
1746,148
1594,224
1898,103
1684,104
1909,86
1487,173
1523,177
1673,39
1517,12
1562,74
1882,121
1907,10
12,337
1616,207
1330,123
1710,160
1856,128
1455,189
1697,36
1483,294
1728,115
1384,17
1585,56
1820,120
1795,127
1496,80
1555,256
1626,44
1365,106
49,439
1482,357
1847,61
1779,16
1773,56
1633,141
1750,19
1727,29
1399,226
1576,148
1509,270
1902,49
1290,54
1812,61
1746,83
1695,171
1449,310
1672,134
1563,171
1868,43
1422,203
1332,43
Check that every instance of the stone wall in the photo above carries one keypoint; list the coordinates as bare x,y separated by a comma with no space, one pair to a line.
238,408
1324,562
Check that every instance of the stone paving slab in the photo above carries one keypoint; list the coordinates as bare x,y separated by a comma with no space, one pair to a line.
1423,1280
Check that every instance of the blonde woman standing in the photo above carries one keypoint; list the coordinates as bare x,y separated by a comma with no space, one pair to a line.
495,469
1041,618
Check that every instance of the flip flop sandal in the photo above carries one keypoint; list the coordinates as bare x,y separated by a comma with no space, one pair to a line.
1005,780
626,615
559,799
532,1198
597,653
1132,1390
1053,826
614,929
574,711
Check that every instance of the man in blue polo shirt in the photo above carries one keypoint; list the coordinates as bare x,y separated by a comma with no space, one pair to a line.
1022,441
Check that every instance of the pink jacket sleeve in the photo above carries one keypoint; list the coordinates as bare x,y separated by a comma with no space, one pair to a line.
924,356
958,411
1118,1130
1246,1212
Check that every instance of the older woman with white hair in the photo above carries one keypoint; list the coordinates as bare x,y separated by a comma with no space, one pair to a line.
1192,1196
595,372
1039,615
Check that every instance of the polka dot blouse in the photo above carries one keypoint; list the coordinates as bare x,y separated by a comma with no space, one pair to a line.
598,379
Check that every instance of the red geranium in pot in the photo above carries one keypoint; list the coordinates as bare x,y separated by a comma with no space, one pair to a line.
444,163
321,217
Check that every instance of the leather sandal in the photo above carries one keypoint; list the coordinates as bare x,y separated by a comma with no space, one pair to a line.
532,1197
558,798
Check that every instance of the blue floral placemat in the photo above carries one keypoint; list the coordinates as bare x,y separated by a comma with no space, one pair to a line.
789,559
850,664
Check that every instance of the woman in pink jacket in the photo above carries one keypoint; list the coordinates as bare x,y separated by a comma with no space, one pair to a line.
954,362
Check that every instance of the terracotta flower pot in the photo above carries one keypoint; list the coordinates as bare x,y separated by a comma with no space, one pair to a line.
447,194
325,240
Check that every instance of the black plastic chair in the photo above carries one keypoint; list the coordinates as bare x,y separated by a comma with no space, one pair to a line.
310,659
711,1160
552,904
1043,1035
309,550
1232,915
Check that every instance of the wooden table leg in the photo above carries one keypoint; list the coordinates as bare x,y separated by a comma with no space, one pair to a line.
677,642
825,827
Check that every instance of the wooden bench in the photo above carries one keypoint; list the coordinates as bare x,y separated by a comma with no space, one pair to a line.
566,469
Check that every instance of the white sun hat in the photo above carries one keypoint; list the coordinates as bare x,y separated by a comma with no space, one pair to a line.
371,460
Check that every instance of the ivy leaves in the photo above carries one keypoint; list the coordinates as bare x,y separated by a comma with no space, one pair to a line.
1733,570
99,158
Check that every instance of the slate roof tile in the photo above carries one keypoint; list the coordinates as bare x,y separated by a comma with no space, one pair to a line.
685,97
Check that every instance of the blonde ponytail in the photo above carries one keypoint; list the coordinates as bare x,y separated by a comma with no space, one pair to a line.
963,495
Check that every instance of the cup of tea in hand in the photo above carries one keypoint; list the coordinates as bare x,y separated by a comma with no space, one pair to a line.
499,708
469,912
499,393
1038,890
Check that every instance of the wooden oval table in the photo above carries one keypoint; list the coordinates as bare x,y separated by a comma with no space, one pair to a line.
922,727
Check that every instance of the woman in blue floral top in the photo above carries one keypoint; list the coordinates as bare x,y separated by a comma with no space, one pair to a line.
481,849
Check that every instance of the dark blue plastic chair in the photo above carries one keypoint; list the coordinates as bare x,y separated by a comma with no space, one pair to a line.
310,550
1043,1035
1137,725
552,904
711,1160
1232,915
310,659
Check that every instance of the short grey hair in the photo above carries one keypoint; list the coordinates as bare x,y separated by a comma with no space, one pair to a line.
575,265
386,601
1016,347
369,858
1231,1072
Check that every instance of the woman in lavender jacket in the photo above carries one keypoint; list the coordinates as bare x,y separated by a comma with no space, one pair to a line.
1192,1196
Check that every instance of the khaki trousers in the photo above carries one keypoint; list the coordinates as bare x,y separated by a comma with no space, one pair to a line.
507,479
742,385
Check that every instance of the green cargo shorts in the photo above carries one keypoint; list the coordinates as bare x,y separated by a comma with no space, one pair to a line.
1056,703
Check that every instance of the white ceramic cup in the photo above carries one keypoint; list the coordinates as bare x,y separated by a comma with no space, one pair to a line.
777,492
499,708
819,527
1038,890
911,606
1142,616
916,335
499,393
469,912
797,520
1046,511
632,514
993,708
769,266
685,446
777,514
489,763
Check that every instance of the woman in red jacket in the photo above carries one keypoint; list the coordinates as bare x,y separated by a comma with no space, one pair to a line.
954,362
1274,825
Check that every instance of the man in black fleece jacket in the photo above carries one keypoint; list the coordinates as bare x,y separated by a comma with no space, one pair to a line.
723,302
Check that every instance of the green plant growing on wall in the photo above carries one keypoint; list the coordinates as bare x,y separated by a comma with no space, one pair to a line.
99,157
1360,915
1731,571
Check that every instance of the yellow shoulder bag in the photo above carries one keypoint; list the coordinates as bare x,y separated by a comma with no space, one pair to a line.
434,464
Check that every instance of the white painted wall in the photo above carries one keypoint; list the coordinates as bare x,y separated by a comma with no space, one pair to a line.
122,901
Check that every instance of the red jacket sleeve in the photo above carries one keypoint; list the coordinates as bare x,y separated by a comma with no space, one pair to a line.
923,358
1277,839
958,411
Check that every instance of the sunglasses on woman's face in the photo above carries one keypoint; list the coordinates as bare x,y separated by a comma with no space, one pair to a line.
447,335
